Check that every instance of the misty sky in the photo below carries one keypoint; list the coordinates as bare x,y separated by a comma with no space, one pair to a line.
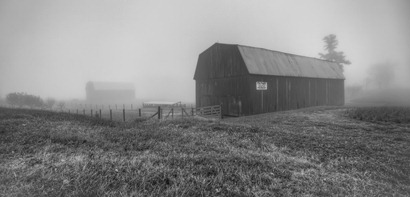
51,48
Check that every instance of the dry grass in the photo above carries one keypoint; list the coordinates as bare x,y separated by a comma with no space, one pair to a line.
389,114
316,152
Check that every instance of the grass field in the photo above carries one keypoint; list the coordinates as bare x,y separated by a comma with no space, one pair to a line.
311,152
381,114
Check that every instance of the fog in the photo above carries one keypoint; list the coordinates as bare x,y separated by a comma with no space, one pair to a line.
51,48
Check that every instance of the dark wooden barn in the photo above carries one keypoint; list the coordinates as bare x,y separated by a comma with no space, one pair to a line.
110,92
248,80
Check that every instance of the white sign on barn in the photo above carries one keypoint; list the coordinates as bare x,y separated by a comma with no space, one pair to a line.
260,85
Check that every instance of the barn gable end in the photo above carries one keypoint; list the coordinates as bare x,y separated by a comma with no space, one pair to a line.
220,61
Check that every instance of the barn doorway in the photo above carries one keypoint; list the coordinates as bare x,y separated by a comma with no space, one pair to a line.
232,106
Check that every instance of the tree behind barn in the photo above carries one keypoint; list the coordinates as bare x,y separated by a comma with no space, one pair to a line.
332,55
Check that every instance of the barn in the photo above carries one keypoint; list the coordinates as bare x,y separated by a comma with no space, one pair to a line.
248,80
98,92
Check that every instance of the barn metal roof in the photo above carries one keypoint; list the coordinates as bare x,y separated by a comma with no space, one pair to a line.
266,62
104,85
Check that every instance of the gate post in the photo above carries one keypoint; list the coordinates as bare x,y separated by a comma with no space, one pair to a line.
221,111
123,115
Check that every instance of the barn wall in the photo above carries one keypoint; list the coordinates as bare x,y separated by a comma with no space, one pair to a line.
221,78
238,95
228,92
110,96
286,93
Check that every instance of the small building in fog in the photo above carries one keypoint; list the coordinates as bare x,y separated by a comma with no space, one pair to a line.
110,92
248,80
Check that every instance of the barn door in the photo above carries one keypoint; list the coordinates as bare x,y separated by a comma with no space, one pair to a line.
231,106
234,106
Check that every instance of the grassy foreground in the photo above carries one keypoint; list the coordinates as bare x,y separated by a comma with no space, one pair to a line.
314,152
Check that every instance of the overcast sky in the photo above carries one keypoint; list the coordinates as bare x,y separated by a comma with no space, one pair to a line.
51,48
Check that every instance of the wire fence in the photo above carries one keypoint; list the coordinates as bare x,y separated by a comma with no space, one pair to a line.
135,114
131,114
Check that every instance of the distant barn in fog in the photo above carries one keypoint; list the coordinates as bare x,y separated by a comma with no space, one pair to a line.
110,92
248,80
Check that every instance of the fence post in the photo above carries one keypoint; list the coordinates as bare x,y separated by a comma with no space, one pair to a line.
221,112
159,112
110,114
100,113
192,111
139,112
172,113
123,115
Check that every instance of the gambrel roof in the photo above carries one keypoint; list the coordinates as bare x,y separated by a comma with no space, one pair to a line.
259,61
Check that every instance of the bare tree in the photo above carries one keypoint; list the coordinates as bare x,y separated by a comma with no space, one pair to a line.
50,102
15,99
61,105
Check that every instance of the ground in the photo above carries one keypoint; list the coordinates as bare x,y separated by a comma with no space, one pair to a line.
318,151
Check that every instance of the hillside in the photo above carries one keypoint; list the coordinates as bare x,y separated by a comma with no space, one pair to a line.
316,151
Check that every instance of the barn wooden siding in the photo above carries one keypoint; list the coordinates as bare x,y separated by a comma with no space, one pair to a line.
223,78
239,96
286,93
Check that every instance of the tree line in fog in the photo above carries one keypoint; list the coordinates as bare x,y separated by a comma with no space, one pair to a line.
21,99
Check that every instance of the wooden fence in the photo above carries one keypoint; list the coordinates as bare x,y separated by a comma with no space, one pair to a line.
210,112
